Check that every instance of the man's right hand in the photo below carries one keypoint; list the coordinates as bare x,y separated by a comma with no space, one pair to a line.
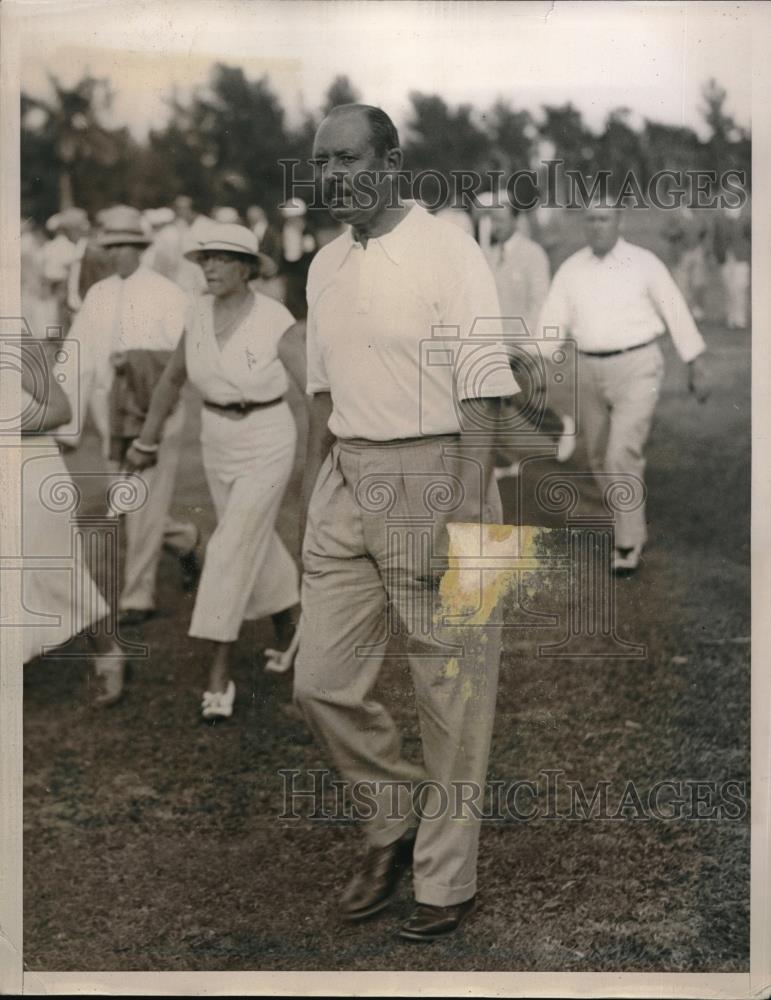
699,378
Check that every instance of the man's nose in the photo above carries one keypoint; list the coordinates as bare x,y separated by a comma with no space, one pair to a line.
333,175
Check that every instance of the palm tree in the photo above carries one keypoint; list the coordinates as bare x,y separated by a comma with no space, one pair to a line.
71,122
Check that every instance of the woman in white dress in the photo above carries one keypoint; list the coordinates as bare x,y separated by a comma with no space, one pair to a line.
63,600
234,352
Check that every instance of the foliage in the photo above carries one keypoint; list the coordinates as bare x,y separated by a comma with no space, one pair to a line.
224,143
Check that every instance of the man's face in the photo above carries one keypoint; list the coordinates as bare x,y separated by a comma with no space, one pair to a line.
74,232
502,223
342,150
183,209
602,226
124,258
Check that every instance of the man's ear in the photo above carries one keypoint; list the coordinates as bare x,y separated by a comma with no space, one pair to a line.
394,158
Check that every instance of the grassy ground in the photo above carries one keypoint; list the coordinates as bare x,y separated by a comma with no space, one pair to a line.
152,842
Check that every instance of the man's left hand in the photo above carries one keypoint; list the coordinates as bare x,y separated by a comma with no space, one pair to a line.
699,379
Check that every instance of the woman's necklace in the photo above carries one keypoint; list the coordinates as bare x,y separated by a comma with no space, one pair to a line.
225,325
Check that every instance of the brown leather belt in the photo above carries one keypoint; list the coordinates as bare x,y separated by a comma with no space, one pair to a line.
243,407
623,350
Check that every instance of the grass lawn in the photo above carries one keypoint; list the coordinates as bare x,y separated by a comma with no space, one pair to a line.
152,842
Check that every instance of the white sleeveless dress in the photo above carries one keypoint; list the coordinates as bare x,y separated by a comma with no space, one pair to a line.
248,573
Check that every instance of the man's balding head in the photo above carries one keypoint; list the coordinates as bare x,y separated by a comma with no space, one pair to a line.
357,154
382,130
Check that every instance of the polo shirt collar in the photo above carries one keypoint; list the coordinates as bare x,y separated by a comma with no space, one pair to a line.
396,243
617,253
135,275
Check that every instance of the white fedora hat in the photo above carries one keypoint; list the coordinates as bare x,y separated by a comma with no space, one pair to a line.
230,238
122,225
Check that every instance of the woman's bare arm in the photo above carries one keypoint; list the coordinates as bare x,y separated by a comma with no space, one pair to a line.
165,395
291,352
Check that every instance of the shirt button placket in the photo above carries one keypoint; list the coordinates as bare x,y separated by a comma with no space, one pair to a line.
366,276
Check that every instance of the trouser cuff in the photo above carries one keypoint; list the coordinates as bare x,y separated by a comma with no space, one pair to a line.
435,894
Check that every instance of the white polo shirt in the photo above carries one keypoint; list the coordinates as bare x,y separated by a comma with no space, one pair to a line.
617,301
403,330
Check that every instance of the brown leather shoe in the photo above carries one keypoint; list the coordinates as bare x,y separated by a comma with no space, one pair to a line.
428,923
373,887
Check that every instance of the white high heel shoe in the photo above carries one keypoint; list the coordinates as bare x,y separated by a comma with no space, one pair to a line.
218,704
110,674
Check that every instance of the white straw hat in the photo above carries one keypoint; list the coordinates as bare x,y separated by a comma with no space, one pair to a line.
123,225
230,238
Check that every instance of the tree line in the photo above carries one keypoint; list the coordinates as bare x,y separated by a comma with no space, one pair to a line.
223,144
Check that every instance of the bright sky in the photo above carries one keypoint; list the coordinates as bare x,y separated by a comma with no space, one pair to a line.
651,57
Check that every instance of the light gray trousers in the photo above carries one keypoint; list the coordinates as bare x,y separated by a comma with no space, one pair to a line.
617,397
377,517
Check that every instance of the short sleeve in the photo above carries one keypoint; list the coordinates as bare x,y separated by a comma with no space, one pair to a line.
279,319
317,378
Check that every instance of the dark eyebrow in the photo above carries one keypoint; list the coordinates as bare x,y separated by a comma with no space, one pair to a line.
323,154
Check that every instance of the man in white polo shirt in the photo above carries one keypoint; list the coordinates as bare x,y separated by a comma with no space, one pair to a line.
386,440
615,300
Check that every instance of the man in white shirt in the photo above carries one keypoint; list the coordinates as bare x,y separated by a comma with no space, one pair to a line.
405,393
521,271
171,241
732,237
135,309
615,300
61,258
